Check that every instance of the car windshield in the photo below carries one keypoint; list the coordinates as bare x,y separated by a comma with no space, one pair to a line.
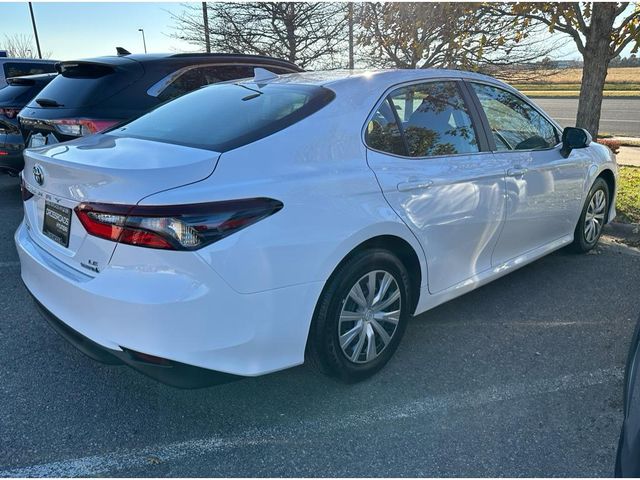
225,116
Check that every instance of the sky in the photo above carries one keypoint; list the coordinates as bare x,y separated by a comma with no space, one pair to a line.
70,31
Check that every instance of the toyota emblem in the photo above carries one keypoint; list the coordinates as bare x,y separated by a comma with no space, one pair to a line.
38,174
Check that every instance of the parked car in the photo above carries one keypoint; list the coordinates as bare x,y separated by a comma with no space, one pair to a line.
91,95
20,67
15,95
628,457
244,225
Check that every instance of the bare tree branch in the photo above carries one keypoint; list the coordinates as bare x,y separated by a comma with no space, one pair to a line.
308,34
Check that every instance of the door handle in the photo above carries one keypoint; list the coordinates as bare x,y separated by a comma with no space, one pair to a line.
414,185
516,172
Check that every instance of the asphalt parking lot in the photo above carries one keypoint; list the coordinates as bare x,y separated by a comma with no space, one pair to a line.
522,377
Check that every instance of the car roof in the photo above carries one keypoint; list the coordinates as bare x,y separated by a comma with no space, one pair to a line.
376,77
26,60
122,60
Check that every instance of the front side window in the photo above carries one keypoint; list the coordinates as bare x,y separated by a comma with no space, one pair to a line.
515,124
434,120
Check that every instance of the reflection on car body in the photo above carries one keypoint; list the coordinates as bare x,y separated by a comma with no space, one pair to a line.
301,216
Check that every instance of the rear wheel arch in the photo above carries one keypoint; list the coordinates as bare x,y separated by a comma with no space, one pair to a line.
398,247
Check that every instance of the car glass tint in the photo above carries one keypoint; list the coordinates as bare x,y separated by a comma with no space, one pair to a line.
86,84
20,69
195,78
225,116
190,80
14,95
515,124
383,132
435,119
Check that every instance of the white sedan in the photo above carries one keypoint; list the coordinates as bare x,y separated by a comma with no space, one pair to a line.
247,226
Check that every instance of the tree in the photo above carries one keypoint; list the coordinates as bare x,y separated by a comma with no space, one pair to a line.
453,35
600,31
19,46
307,34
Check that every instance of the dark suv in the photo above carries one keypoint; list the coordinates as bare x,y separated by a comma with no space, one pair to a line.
18,92
92,95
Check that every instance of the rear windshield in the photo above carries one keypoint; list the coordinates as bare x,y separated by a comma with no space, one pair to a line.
86,84
17,95
225,116
20,69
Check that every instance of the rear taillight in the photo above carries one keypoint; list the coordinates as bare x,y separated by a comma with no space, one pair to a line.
79,127
175,227
26,194
10,113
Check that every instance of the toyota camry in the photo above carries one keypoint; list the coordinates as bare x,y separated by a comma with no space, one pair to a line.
245,227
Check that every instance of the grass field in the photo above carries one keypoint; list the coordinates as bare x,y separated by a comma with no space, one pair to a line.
628,202
621,82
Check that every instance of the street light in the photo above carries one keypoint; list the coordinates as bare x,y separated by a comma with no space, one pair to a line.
144,42
35,30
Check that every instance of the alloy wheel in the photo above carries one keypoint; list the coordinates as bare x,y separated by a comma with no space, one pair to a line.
594,218
369,317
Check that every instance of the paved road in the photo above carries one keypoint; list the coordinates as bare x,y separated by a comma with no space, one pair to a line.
519,378
619,116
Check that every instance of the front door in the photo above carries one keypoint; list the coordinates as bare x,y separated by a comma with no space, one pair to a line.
427,157
544,190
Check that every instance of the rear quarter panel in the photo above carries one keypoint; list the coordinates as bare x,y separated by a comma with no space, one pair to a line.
332,202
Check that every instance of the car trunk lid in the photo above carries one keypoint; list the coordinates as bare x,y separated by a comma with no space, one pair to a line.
99,169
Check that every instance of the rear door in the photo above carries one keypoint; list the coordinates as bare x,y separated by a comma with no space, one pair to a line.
544,189
428,152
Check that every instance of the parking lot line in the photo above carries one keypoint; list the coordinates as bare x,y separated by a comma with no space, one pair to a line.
103,465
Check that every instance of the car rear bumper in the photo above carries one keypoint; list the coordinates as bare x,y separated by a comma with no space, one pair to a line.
170,305
175,374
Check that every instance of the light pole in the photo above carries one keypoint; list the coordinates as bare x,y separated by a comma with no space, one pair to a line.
205,23
35,30
350,20
144,42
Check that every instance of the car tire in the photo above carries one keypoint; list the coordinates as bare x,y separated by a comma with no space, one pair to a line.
593,217
373,321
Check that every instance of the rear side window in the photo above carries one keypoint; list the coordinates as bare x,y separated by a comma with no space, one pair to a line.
194,78
515,124
433,119
86,84
226,116
20,69
383,132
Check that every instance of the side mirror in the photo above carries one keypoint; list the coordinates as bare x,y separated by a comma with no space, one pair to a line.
573,137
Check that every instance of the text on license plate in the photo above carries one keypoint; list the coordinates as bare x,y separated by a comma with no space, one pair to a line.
57,223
